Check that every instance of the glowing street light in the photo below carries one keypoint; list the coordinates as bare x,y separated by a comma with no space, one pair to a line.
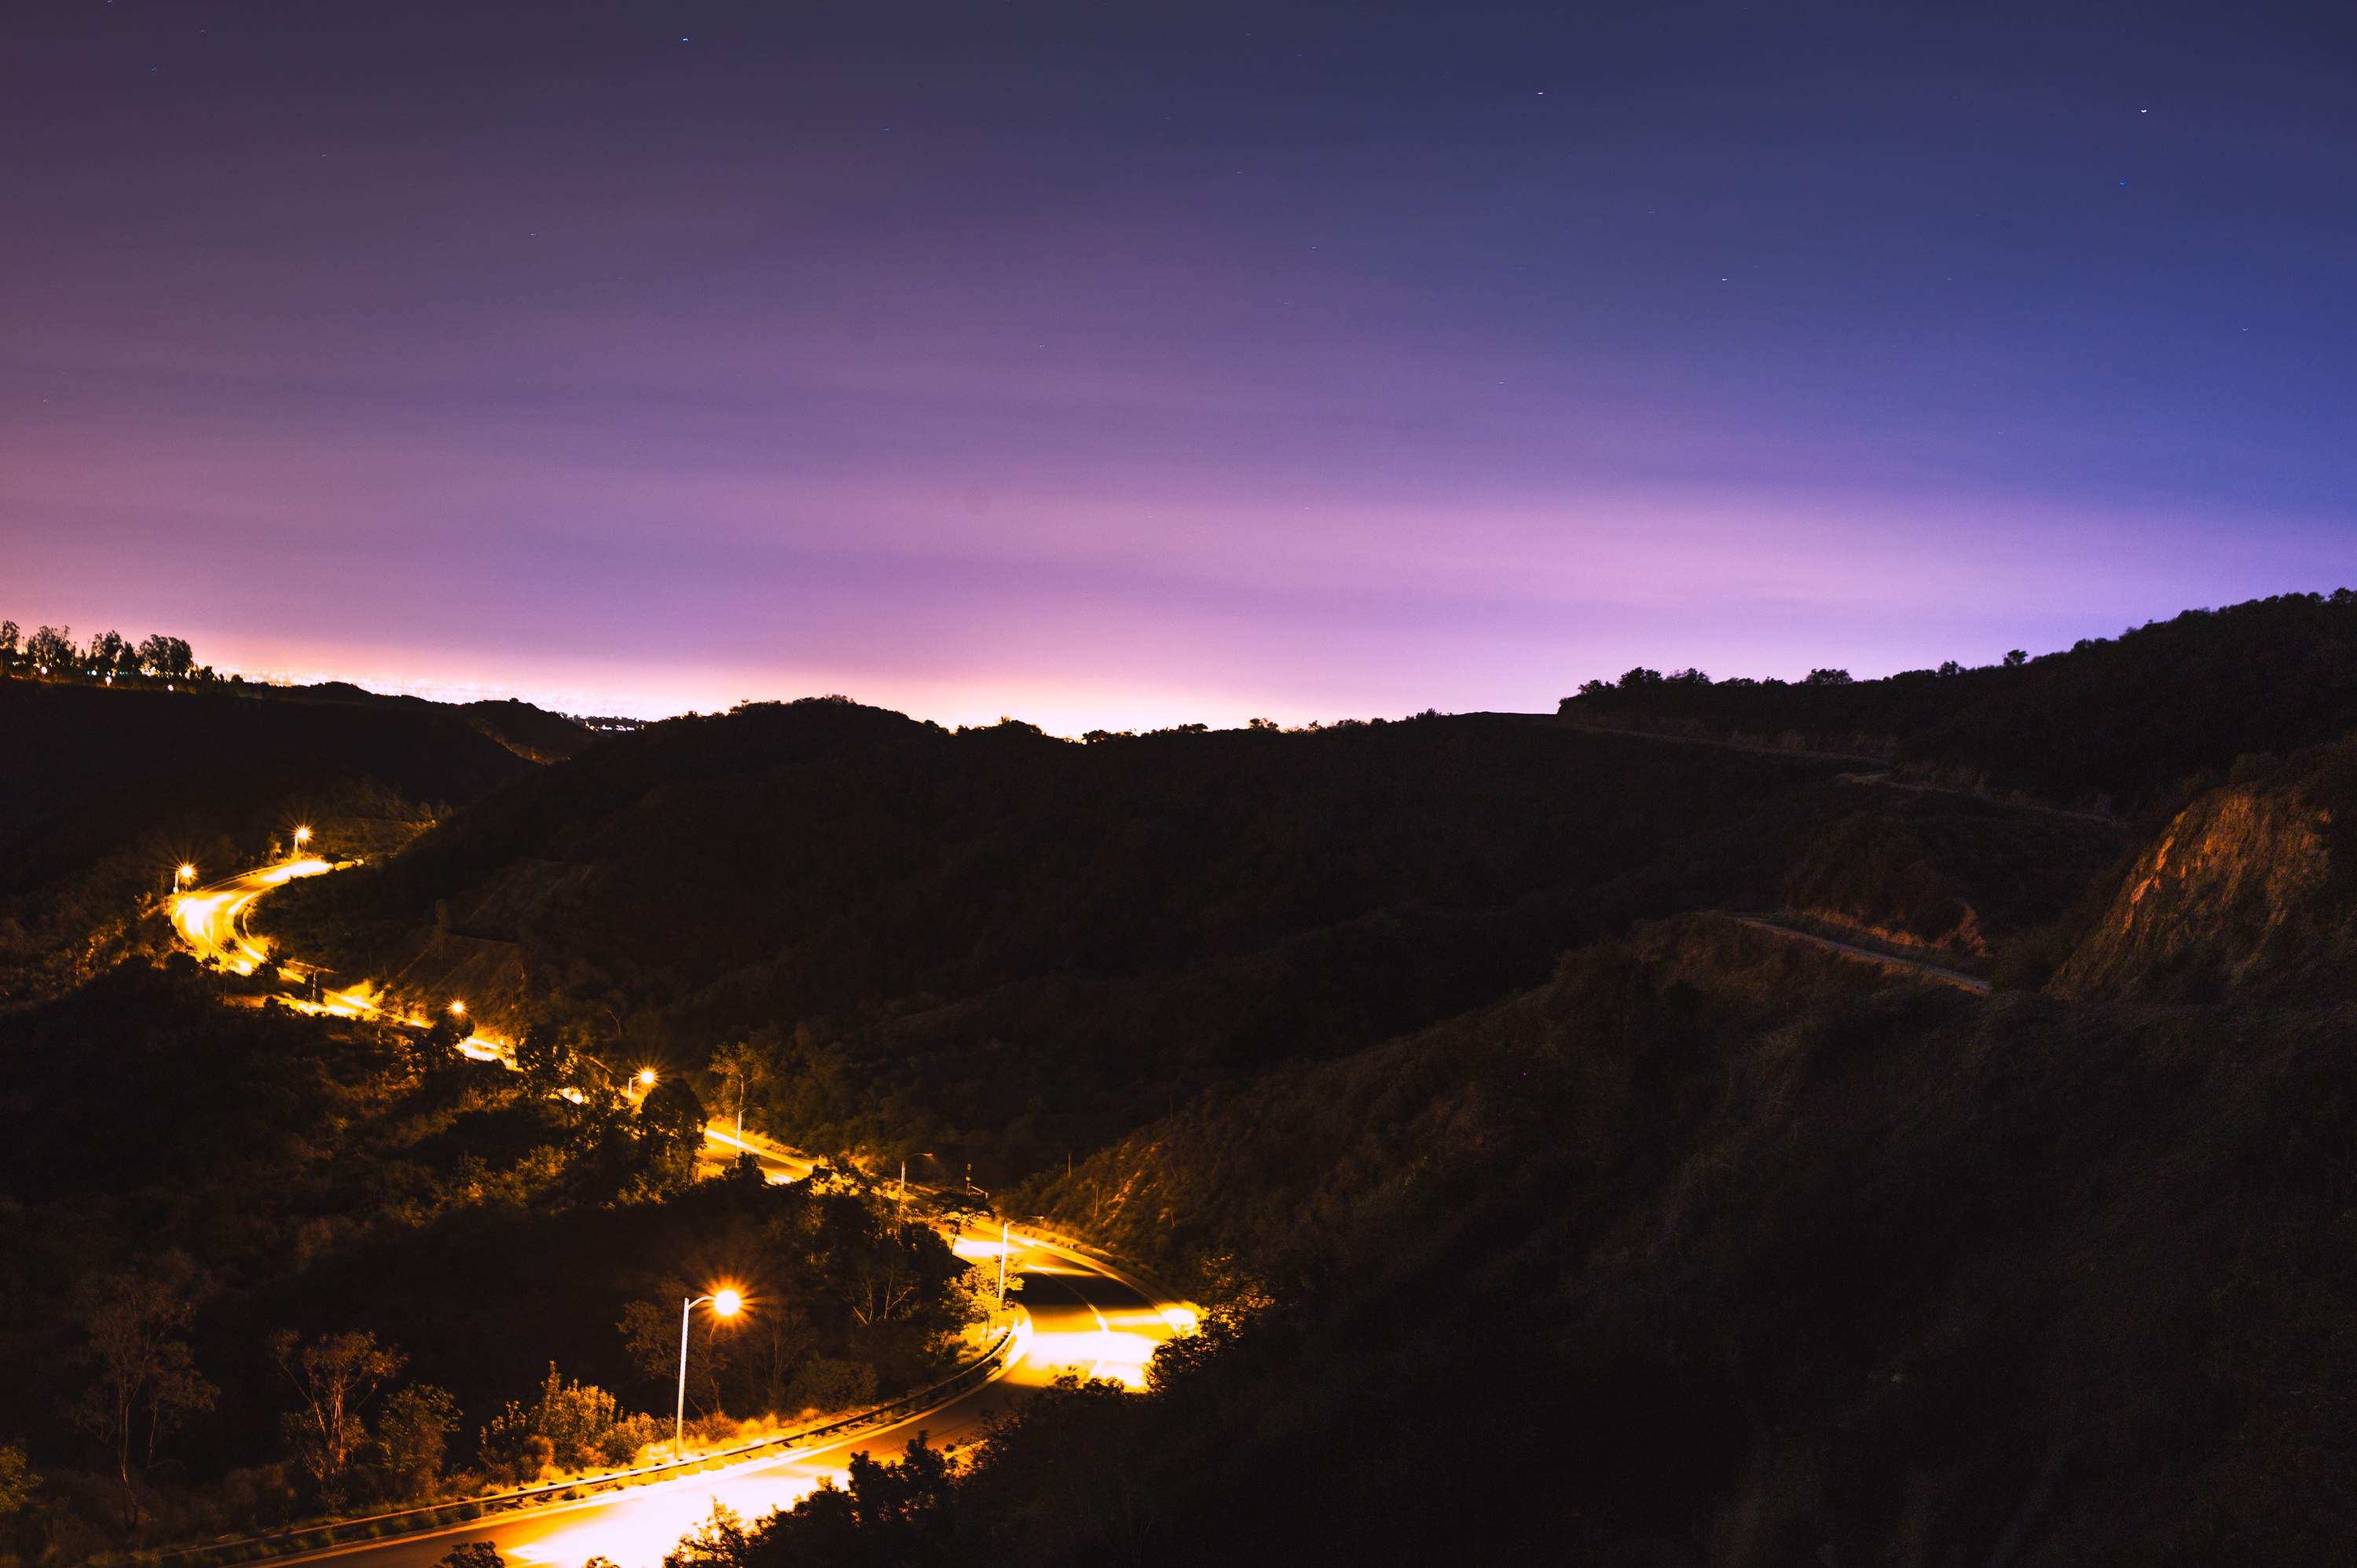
183,878
725,1303
302,837
646,1079
459,1009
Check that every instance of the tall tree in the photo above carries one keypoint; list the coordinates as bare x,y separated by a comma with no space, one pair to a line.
739,1067
148,1382
335,1379
51,648
170,656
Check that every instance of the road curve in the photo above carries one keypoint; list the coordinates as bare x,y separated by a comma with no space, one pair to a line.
211,919
1082,1319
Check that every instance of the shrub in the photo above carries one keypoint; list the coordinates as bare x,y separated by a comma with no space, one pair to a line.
826,1385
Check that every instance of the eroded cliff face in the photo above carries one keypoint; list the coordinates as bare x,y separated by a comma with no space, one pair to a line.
2241,891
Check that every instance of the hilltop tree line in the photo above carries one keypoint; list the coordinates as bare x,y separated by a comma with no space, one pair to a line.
1641,680
2134,724
51,650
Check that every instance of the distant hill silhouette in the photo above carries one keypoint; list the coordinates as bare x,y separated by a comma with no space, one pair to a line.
2120,724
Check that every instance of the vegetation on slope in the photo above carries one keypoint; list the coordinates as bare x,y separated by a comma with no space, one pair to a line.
1006,949
1713,1250
255,1172
122,785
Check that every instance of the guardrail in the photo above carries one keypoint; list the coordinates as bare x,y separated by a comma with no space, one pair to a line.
432,1517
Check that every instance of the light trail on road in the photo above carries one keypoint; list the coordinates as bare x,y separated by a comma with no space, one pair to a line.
1106,1329
212,922
1109,1327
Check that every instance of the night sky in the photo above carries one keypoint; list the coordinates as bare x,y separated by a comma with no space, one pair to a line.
1130,365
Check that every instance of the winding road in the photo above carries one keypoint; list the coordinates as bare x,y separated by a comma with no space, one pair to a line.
1083,1320
1083,1316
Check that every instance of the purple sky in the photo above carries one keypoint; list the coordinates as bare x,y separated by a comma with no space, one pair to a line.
1103,369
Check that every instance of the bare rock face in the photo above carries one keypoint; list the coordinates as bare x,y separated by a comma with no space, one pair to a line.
2244,890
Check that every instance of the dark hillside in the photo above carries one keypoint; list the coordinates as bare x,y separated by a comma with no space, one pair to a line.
2119,724
530,732
79,740
999,946
80,893
1948,872
116,787
1716,1250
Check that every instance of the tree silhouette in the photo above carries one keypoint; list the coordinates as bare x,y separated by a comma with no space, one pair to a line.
148,1379
737,1067
335,1379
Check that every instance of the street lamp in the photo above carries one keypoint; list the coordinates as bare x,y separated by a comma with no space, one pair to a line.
302,837
459,1009
646,1079
183,878
725,1303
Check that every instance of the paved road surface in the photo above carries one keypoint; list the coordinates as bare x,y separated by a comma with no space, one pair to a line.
211,919
1889,960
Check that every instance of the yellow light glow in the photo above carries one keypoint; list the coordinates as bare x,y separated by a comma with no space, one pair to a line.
460,1008
302,835
646,1074
726,1302
188,872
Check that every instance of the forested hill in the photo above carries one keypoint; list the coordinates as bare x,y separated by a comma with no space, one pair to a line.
78,740
109,788
995,946
2120,724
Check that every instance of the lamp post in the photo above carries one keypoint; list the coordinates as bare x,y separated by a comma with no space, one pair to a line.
302,837
724,1304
